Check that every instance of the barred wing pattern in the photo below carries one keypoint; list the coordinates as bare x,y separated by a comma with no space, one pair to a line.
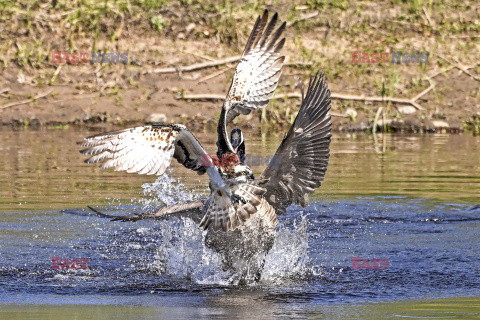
149,150
223,214
146,149
257,73
301,159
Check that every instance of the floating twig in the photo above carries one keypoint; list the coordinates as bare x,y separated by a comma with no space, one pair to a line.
192,208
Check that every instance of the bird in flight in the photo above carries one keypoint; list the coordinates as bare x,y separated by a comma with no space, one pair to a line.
240,214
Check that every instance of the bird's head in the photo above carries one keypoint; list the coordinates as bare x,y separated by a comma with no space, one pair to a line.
243,171
236,139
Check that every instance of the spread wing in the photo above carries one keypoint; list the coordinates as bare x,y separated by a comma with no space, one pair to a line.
146,149
149,150
301,160
257,73
256,76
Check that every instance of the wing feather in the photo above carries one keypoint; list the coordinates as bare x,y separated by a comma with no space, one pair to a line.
221,213
257,74
301,159
145,150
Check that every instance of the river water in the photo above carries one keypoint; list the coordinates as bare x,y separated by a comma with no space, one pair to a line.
411,201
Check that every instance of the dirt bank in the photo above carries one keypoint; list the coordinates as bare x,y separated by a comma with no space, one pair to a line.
160,40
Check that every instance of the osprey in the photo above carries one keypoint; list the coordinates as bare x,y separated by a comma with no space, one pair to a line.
240,215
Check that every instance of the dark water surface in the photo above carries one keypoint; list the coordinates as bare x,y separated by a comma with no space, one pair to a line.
413,200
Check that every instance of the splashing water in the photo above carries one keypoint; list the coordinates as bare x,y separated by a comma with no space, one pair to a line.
166,191
183,255
288,258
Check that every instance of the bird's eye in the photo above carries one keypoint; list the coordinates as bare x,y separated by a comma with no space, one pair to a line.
245,172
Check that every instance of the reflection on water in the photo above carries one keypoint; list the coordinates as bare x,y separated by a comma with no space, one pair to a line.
243,306
43,169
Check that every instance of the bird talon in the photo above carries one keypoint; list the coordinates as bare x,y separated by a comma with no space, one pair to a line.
237,199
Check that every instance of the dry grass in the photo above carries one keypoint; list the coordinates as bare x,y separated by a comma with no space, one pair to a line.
32,29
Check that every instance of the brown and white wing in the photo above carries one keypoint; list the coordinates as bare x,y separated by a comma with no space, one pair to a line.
301,160
146,149
222,214
257,73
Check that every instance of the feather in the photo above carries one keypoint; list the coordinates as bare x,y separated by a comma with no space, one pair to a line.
221,213
256,76
302,157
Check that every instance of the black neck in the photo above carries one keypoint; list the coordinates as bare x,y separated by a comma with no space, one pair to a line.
222,144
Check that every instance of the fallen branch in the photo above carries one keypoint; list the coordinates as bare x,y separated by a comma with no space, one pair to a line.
411,102
55,74
79,97
297,95
214,63
440,72
424,92
302,18
336,114
465,36
198,55
375,121
16,103
194,67
201,96
430,22
298,64
213,75
459,66
215,97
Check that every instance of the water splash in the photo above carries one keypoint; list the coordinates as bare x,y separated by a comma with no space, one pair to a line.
166,191
288,258
182,254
